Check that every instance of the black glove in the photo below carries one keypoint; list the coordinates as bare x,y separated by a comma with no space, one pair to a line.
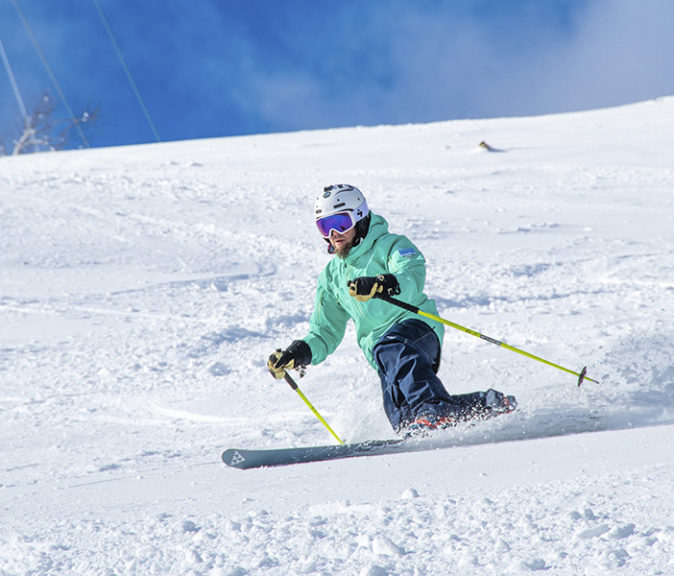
297,355
366,287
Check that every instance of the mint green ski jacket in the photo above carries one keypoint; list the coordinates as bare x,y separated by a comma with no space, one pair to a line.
380,252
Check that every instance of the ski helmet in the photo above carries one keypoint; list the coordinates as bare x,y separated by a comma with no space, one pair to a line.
341,207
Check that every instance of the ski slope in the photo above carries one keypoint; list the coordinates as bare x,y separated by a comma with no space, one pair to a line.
142,289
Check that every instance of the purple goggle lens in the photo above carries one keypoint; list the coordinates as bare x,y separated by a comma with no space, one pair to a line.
341,223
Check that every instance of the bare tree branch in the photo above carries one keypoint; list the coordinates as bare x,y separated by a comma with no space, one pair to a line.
40,131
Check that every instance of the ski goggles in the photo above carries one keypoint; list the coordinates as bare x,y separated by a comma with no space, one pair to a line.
341,222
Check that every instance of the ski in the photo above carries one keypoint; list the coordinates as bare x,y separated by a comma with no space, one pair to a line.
244,459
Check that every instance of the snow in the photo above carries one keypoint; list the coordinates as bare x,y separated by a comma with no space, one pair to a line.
142,289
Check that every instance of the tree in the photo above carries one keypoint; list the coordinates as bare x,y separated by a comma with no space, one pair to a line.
41,131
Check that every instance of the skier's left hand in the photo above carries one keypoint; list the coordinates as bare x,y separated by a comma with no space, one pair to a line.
366,287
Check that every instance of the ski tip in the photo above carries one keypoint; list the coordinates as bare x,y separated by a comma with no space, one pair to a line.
234,458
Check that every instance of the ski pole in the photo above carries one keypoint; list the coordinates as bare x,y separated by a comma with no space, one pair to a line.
581,375
288,378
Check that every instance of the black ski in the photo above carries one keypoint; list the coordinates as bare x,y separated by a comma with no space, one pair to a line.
243,459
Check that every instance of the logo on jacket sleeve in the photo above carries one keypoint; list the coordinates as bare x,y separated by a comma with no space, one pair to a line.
407,252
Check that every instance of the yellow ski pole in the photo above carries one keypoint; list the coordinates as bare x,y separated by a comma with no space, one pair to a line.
581,375
296,388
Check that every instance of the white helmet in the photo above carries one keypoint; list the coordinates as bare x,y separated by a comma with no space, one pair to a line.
341,198
342,207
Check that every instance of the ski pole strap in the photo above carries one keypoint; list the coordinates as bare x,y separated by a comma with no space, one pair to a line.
288,378
582,375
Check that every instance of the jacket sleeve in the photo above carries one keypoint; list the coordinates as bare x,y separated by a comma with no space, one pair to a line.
408,265
327,324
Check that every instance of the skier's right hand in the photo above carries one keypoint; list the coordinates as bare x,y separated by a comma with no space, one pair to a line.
297,355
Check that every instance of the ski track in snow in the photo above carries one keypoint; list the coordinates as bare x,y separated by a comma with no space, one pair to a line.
142,289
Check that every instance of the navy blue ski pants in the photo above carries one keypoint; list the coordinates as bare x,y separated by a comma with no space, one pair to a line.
408,356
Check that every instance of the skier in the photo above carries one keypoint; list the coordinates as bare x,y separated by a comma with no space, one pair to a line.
403,348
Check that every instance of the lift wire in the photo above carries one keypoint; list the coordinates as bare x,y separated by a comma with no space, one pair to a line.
74,120
12,81
17,94
126,69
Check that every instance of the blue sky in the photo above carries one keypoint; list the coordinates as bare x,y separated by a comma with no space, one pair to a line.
210,68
